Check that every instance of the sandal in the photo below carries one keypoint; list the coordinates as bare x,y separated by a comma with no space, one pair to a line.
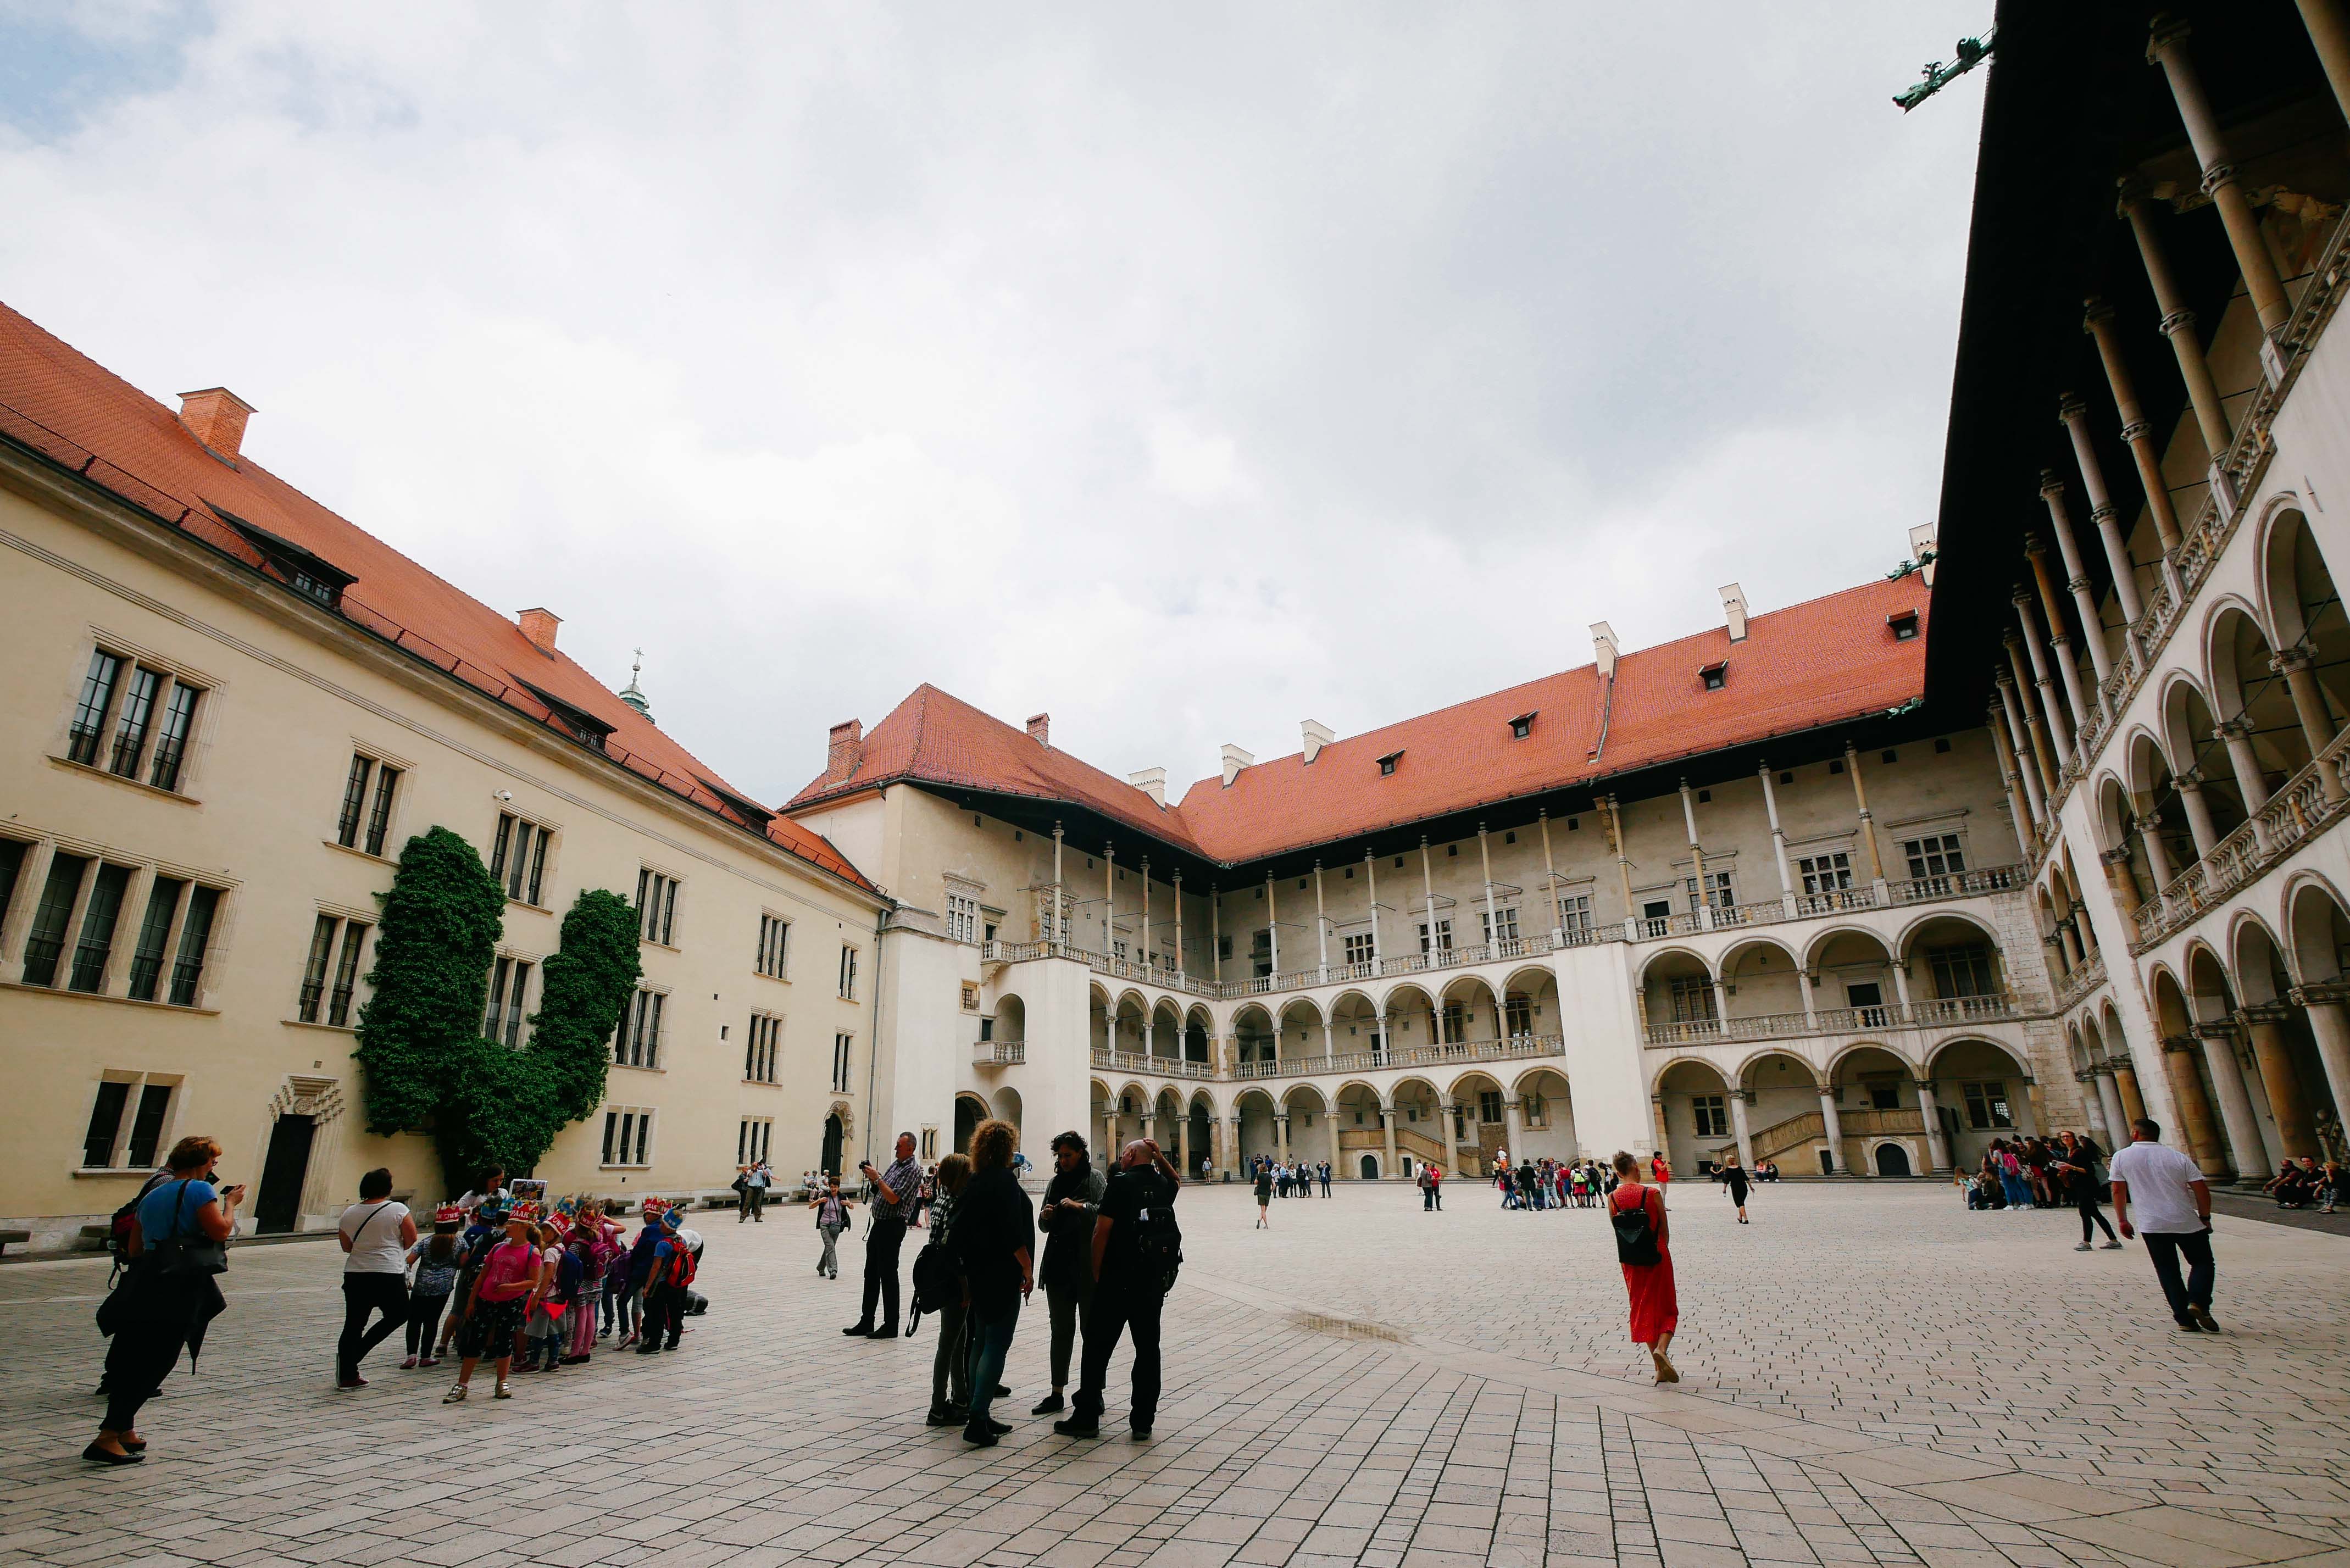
502,1391
1664,1373
455,1395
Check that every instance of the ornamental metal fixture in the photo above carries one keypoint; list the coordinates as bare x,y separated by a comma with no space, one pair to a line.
1972,52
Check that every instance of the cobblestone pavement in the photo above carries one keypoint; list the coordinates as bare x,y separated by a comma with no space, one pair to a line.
1872,1374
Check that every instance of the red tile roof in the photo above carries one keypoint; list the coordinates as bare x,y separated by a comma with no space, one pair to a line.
1826,662
76,413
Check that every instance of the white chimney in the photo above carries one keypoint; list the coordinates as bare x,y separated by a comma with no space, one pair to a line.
1234,760
1603,648
1318,735
1921,540
1734,610
1151,782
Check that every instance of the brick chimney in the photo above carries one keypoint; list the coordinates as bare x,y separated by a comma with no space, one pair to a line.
844,749
1040,728
538,625
216,417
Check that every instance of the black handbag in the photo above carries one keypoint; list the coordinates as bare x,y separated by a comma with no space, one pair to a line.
1636,1240
179,1255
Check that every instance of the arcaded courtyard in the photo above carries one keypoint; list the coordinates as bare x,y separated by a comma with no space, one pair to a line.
1872,1374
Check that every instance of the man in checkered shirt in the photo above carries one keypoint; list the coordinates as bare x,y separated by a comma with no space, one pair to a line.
895,1192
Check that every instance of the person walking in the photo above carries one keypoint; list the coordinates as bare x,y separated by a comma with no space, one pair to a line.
1130,1260
1264,1196
170,1292
895,1192
950,1364
831,1219
1072,1201
1637,1213
995,1241
437,1259
2075,1166
507,1282
2174,1208
376,1233
1733,1177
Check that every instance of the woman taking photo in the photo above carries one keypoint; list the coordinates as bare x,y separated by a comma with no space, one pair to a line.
178,1243
1637,1213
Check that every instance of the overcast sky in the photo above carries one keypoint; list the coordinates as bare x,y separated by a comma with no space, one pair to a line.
1184,371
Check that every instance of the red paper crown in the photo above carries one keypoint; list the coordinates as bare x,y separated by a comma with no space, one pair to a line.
447,1214
653,1205
525,1212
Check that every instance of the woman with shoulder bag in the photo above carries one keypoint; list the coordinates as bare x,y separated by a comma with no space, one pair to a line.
178,1243
951,1366
1637,1213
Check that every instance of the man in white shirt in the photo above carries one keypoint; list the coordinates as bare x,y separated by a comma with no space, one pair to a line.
2174,1211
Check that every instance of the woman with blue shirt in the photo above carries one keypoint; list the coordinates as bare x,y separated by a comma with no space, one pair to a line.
153,1313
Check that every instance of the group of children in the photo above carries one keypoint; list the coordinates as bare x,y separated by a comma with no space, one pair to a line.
545,1287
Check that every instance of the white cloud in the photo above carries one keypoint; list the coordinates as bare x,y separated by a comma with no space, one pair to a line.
1181,372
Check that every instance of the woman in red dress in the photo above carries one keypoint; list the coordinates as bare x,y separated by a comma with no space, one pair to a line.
1655,1310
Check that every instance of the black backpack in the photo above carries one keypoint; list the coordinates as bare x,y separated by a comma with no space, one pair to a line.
1635,1239
936,1282
1158,1245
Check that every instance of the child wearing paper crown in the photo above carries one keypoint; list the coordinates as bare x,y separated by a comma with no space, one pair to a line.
437,1260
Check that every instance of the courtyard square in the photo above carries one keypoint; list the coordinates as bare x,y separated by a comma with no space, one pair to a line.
1872,1374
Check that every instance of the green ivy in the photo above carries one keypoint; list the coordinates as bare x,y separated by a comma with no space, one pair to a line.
420,1035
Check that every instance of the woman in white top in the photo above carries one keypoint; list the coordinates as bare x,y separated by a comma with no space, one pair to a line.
376,1233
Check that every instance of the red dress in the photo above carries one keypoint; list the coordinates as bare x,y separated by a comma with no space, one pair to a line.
1655,1310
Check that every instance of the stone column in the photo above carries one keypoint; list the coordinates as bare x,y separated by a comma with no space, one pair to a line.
1867,820
2064,717
2179,326
1835,1128
1216,932
2121,879
1142,1125
1779,839
2327,1002
2137,430
2264,1025
1386,1126
2330,33
1938,1148
1493,910
1445,1110
1183,1145
1738,1128
2107,520
1705,910
2126,1086
1664,1131
1273,941
1150,1034
1330,1041
1321,924
2178,1053
2252,1156
1232,1144
2157,858
2094,1109
1281,1137
1427,889
1371,881
1056,934
2116,1114
2014,743
2199,825
1178,880
1550,879
2076,578
2168,46
1142,942
1338,1156
2309,706
2019,814
1513,1124
1109,916
2030,697
2236,734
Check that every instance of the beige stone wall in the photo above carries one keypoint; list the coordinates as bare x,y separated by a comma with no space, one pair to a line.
289,696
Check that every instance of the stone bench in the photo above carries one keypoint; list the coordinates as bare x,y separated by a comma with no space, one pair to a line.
17,1236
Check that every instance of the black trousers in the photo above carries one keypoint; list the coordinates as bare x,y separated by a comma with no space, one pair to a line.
137,1362
424,1322
753,1202
664,1317
882,1243
2165,1247
364,1295
2088,1204
1118,1310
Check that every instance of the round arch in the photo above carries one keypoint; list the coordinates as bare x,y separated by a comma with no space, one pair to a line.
1683,960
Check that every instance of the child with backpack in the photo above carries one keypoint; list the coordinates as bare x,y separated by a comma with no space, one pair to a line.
588,1239
634,1269
672,1271
438,1258
545,1330
488,1227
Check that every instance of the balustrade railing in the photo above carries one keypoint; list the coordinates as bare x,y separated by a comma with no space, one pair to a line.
2085,979
999,1052
2309,800
1934,1012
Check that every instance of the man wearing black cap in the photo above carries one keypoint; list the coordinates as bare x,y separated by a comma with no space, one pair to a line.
1072,1200
1132,1265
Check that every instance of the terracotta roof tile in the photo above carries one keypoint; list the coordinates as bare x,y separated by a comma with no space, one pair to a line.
1822,662
76,413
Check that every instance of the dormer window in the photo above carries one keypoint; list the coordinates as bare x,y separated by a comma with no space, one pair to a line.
1715,675
1522,726
577,722
1387,764
312,576
1904,624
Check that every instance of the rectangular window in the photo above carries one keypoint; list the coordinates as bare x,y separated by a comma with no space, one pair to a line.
1962,971
1499,924
657,904
45,944
514,1008
1825,873
841,1063
386,781
1718,891
1520,1010
355,791
1454,1022
105,1126
963,917
774,937
493,1020
172,740
628,1136
1987,1107
88,731
131,729
848,975
1489,1104
12,868
638,1041
154,932
1936,854
147,1126
1710,1113
1358,948
1574,914
96,943
762,1047
509,1001
346,974
196,939
1693,999
1444,935
518,856
750,1140
126,1105
313,970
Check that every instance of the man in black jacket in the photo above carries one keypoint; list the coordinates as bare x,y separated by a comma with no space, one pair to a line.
1128,1291
1072,1200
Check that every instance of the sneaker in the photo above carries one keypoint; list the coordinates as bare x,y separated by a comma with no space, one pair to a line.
2204,1320
2082,1248
2188,1326
1049,1405
945,1415
2109,1245
1078,1427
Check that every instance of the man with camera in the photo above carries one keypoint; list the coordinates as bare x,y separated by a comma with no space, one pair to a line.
895,1192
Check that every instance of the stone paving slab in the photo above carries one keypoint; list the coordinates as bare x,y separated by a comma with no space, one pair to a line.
1872,1376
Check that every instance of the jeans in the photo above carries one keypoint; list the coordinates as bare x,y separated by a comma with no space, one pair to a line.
2018,1191
989,1327
2165,1248
1427,1199
1118,1310
882,1243
424,1322
951,1366
1068,1304
363,1296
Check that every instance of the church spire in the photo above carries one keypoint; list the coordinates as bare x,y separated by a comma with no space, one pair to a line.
631,695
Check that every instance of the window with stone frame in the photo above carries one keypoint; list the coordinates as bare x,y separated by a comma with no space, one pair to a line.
1443,936
1719,891
1519,1008
1358,946
1489,1104
1829,873
1454,1022
1710,1115
129,1118
636,1042
1498,924
1987,1107
1693,999
1964,969
1935,855
629,1136
1574,914
518,857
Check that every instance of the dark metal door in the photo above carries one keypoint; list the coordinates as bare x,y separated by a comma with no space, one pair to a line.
832,1145
281,1174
